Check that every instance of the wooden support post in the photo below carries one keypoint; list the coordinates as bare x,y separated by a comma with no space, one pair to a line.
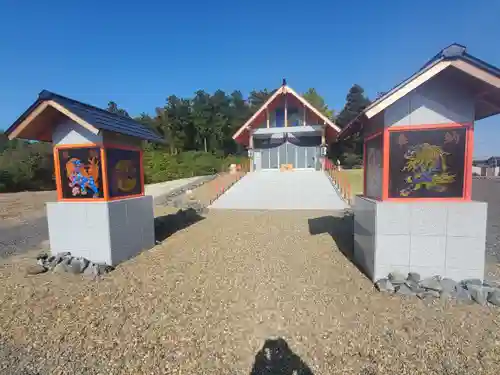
323,143
267,117
286,110
304,123
250,145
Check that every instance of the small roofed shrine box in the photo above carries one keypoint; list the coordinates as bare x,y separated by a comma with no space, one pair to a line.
101,213
416,213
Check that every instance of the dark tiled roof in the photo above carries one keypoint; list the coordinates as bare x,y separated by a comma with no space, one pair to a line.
99,118
452,52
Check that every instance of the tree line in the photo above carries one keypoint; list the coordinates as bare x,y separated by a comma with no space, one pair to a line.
198,137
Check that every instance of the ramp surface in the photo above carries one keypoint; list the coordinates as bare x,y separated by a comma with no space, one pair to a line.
275,190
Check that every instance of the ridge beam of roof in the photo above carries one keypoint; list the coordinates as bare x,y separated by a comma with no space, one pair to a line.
408,87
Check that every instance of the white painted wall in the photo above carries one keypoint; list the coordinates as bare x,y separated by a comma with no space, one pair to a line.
438,101
69,132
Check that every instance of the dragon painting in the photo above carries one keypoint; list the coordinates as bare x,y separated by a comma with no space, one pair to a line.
426,164
83,177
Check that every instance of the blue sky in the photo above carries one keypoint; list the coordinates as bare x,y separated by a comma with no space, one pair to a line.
139,52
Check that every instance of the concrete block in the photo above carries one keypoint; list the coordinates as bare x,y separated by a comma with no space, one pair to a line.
465,253
431,238
364,253
392,250
131,227
392,218
428,219
466,219
428,251
108,232
426,272
459,274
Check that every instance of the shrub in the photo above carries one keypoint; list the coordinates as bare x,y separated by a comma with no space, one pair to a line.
350,160
160,166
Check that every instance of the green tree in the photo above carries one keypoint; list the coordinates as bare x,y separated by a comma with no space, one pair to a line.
113,108
202,117
318,102
258,98
356,102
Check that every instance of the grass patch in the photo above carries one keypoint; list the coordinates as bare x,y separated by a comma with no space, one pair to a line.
355,178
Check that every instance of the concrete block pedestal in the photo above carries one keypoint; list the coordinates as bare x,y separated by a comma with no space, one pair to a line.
102,231
444,238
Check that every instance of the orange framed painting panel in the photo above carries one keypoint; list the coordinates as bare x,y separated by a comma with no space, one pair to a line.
104,170
59,175
138,177
467,177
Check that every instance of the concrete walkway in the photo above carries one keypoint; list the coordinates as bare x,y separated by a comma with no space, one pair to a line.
163,188
275,190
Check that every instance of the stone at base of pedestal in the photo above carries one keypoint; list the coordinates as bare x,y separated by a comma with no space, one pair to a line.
444,238
103,232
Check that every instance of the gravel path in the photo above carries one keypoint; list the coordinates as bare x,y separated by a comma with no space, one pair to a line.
205,301
23,224
488,190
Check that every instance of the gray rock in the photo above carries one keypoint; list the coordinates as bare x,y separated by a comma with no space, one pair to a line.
105,268
431,284
462,295
77,265
448,285
478,293
41,259
62,255
492,283
414,286
384,285
60,268
190,215
404,290
92,270
494,297
397,278
467,282
66,260
178,202
428,294
35,269
413,276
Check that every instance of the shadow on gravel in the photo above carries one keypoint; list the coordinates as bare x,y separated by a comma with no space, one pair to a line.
341,229
167,225
276,358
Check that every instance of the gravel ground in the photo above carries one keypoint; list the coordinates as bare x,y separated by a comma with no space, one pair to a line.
488,190
206,299
23,221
